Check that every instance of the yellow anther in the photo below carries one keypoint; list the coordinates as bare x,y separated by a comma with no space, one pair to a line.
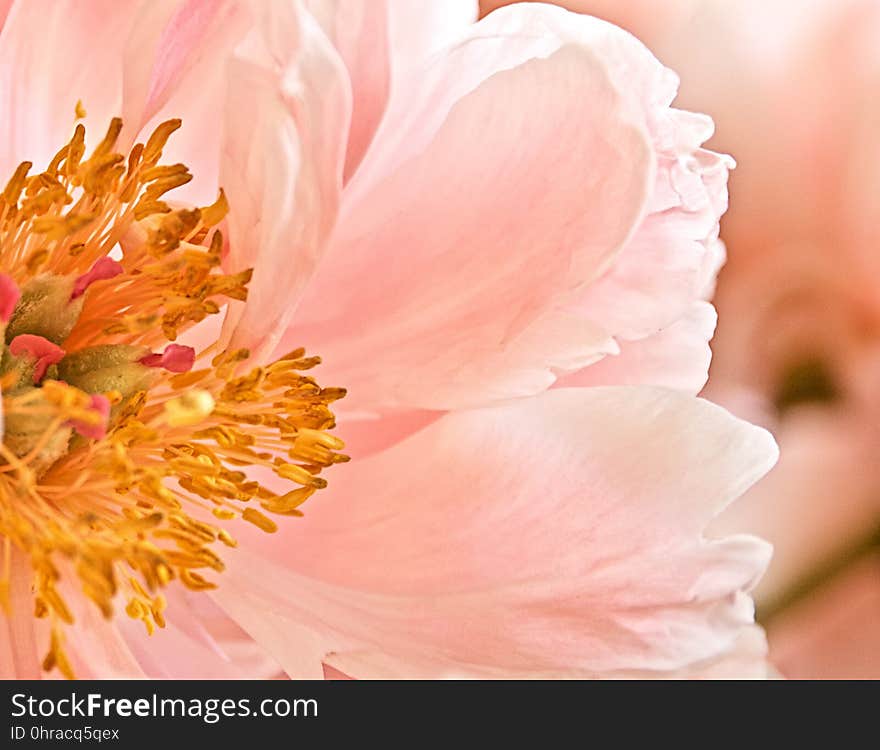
259,520
190,408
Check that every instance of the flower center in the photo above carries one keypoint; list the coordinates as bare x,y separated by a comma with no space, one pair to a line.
805,381
122,449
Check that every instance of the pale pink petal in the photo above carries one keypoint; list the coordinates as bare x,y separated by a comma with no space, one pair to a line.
445,282
204,334
368,434
673,258
191,647
52,54
93,644
175,67
558,533
668,264
419,30
746,661
20,654
380,41
118,58
677,357
644,18
198,641
433,79
171,40
286,119
560,340
5,5
359,31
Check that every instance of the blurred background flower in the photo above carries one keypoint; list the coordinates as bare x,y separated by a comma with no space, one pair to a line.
792,89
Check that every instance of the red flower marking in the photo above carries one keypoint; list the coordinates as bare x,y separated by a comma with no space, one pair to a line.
103,269
175,358
42,350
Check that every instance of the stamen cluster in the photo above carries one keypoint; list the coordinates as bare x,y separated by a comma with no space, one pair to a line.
122,450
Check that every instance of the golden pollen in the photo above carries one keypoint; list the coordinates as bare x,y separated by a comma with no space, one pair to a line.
120,446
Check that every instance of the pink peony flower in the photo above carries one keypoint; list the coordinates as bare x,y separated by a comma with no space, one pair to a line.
500,238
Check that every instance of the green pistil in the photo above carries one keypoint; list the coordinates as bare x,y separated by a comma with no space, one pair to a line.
45,309
111,367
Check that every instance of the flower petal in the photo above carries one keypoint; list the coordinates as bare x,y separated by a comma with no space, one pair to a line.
675,254
746,661
19,650
5,5
418,30
198,642
380,41
52,54
174,39
359,31
287,115
175,67
675,357
95,646
529,187
561,533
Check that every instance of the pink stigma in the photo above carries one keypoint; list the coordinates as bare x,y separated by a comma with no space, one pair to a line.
42,350
103,269
100,404
175,358
9,296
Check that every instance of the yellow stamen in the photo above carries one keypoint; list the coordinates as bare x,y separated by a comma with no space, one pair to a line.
190,408
121,515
